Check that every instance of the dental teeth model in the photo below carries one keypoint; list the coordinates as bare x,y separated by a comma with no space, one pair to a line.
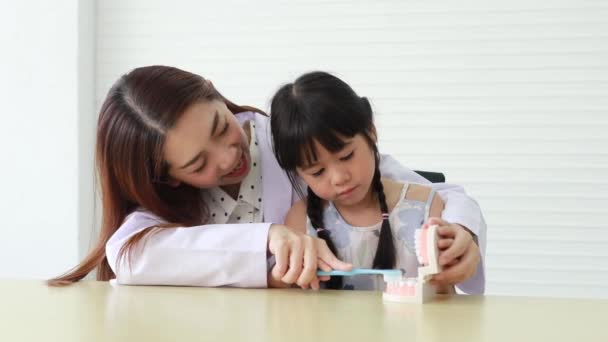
417,290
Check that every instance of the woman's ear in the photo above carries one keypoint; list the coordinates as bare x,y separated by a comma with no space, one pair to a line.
166,177
174,183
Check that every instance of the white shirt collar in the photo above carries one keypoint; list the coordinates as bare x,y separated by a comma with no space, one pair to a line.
222,206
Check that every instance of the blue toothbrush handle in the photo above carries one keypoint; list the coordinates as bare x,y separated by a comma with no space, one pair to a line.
335,273
358,271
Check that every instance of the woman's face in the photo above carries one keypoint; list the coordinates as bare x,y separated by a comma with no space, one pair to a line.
207,147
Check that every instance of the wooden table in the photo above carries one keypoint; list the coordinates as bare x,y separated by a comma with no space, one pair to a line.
98,311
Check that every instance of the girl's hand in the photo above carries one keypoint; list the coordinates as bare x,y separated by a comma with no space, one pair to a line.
459,254
297,258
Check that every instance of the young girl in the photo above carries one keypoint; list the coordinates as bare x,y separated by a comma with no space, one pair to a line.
324,133
192,194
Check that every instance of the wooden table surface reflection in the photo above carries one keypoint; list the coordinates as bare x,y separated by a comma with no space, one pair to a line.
98,311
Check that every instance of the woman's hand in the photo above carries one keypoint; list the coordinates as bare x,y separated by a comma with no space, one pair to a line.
459,254
298,256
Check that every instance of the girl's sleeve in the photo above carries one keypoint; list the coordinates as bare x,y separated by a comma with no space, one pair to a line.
459,208
208,255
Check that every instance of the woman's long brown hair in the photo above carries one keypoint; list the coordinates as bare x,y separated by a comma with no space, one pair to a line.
137,113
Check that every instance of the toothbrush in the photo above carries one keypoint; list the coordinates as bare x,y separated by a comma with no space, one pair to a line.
407,290
388,275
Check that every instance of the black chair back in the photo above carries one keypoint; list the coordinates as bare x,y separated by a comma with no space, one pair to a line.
433,177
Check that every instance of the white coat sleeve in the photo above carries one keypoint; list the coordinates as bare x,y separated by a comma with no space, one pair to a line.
459,208
208,255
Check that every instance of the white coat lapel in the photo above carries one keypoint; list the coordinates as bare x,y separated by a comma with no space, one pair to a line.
277,190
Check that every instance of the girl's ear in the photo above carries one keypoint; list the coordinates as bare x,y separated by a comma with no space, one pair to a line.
372,128
372,133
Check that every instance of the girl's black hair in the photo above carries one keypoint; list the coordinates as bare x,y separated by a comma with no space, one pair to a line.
320,107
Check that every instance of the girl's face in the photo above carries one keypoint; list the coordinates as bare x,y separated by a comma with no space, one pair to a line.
343,177
207,147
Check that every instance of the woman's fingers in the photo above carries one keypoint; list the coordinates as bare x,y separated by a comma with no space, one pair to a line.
309,272
323,265
445,243
299,256
281,255
463,269
296,255
436,221
462,241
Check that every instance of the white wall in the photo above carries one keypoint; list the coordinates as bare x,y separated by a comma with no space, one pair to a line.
88,198
507,98
46,91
